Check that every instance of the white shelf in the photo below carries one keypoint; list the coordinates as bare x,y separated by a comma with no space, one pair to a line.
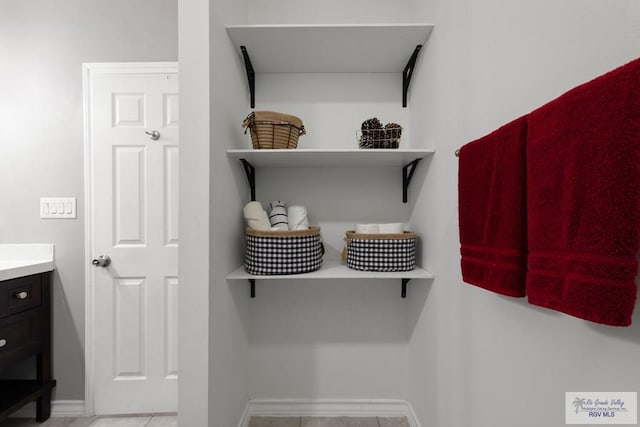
334,269
329,48
311,158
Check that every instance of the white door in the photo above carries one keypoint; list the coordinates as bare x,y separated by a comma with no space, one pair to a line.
132,150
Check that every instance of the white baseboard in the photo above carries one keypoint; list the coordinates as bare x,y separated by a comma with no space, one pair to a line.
68,408
328,408
59,409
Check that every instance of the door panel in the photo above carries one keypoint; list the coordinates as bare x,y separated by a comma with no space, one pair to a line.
171,195
128,110
129,199
171,338
130,336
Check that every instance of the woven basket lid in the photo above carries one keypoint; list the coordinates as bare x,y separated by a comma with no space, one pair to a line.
273,116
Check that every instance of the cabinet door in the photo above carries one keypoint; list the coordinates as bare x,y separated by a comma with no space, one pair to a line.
20,336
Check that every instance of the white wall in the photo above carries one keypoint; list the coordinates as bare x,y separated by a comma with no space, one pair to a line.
195,192
42,47
213,312
328,11
476,358
229,300
437,100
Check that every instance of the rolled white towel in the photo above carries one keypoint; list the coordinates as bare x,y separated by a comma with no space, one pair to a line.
298,219
278,215
367,228
256,216
391,228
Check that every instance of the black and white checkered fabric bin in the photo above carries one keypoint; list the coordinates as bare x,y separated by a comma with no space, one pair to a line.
381,252
282,252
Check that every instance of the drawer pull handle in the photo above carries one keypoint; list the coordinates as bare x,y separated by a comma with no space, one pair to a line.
3,343
22,295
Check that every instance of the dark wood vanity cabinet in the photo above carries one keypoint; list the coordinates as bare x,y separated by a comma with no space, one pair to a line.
25,332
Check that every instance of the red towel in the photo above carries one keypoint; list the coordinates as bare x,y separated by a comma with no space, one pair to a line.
492,210
583,196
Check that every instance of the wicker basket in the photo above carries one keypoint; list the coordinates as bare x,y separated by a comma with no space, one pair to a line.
379,138
381,252
273,130
282,252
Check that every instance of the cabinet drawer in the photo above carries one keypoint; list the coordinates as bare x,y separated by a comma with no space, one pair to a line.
20,336
21,294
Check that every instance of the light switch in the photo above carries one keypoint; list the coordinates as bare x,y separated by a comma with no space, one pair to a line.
58,207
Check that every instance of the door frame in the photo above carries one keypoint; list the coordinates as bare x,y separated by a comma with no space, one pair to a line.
88,71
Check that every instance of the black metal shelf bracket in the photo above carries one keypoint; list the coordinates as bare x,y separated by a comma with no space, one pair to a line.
407,73
404,287
251,75
250,171
407,174
252,286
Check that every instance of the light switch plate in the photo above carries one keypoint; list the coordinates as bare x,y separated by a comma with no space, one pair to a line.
58,207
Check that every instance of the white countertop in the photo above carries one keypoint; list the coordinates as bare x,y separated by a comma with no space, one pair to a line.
18,260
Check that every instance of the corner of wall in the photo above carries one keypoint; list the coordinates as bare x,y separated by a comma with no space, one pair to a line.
228,323
194,269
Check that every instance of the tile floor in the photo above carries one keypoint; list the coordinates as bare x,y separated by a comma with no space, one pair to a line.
171,421
158,420
328,422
